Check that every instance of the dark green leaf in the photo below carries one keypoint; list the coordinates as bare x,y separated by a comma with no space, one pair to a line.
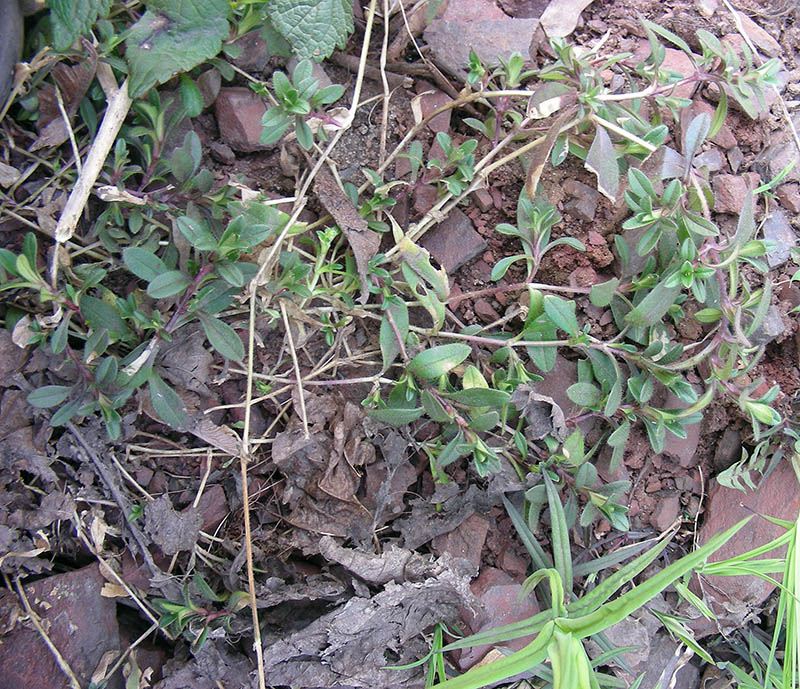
58,342
49,396
652,308
191,97
142,263
173,37
100,315
166,403
223,338
168,284
197,233
435,362
71,19
562,556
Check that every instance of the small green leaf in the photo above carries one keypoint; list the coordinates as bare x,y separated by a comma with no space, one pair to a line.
168,284
435,362
603,293
197,233
100,315
223,338
602,161
191,97
562,314
166,403
395,417
573,448
49,396
652,308
709,315
143,264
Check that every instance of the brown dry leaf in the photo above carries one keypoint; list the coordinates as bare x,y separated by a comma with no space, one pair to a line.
363,241
542,413
73,83
561,17
170,530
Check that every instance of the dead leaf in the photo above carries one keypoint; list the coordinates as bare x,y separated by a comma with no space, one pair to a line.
170,530
363,241
541,153
561,17
602,161
542,413
72,82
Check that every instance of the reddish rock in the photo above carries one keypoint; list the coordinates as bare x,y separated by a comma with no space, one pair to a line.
666,512
682,449
80,622
789,196
254,54
485,311
425,196
583,204
674,61
483,200
465,541
454,241
729,193
761,38
473,11
776,496
239,112
499,605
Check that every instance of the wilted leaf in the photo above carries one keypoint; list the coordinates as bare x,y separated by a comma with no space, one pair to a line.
602,161
363,241
541,153
542,413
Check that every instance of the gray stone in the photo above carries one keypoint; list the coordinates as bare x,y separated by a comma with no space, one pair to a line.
317,71
735,158
774,158
711,159
772,328
583,204
451,40
454,241
728,450
777,229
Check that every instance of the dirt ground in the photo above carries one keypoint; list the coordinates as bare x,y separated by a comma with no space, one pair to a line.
357,552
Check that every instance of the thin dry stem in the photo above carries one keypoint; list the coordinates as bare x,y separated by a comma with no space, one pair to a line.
298,376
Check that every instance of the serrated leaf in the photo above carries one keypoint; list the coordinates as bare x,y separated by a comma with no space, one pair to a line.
166,403
49,396
223,338
395,417
602,294
173,37
562,314
313,27
437,361
73,18
602,161
143,264
168,284
479,397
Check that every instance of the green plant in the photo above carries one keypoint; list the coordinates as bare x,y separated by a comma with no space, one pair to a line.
193,621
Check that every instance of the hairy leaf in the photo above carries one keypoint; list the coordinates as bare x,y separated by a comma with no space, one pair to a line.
313,27
223,338
73,18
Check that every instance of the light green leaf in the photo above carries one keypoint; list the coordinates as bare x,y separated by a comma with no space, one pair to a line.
168,284
584,394
223,338
562,555
191,97
173,37
73,18
49,396
479,397
573,448
166,403
313,27
602,294
395,417
143,264
602,161
562,314
437,361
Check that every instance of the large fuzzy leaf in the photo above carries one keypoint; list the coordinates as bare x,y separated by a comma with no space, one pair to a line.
312,27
